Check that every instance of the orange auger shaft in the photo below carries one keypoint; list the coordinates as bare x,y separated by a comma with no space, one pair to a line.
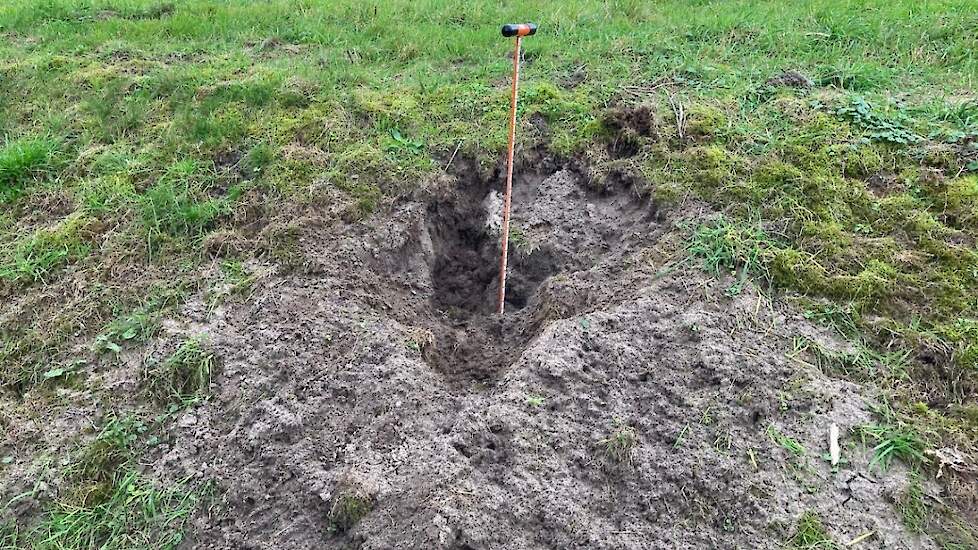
519,31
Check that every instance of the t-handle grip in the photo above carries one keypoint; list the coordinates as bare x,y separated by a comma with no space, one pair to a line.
519,29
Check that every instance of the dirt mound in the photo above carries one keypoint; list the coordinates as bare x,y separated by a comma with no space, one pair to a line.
376,402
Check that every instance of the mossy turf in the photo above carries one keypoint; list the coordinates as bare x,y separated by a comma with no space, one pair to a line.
838,144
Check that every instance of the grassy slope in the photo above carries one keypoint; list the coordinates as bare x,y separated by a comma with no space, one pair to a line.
135,133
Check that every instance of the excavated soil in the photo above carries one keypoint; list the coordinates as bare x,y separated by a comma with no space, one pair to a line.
381,371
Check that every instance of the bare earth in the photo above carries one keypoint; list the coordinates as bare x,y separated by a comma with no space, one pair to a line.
378,371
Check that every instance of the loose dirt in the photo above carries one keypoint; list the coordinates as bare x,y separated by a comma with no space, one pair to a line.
623,401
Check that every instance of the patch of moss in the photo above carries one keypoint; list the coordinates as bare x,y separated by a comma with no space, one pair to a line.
387,108
712,169
960,202
706,121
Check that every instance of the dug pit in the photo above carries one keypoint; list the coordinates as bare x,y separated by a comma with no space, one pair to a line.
559,226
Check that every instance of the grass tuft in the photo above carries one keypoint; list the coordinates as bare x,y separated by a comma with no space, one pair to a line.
22,161
347,510
862,362
183,377
893,442
725,246
618,446
810,534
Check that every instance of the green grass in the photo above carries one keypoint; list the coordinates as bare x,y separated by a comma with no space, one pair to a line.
912,507
178,206
182,377
347,510
810,534
106,503
134,514
112,447
37,257
23,161
785,441
9,536
862,362
140,323
893,442
726,247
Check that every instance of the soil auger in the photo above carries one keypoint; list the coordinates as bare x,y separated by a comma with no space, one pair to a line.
519,31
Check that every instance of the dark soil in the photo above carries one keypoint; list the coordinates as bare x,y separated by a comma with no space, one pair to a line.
630,125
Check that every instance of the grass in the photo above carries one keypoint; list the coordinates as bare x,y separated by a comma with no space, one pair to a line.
810,534
38,256
893,442
23,161
182,377
106,503
235,281
140,324
134,514
786,442
138,327
113,446
724,247
862,362
535,401
521,243
618,446
912,507
178,205
347,510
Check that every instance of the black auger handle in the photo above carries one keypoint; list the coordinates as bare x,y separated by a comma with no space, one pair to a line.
519,29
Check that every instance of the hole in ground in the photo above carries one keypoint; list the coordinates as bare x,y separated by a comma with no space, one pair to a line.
561,225
471,341
465,269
